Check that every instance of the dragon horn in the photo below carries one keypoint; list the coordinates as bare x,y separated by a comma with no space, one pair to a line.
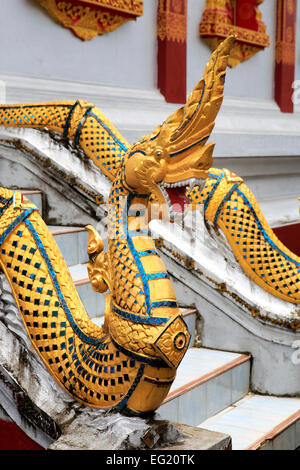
189,127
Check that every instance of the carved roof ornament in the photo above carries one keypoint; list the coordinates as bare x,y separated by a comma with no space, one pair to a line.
241,18
90,18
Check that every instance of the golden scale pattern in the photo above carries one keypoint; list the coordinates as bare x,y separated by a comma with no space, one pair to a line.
127,284
96,136
221,287
143,326
72,361
128,364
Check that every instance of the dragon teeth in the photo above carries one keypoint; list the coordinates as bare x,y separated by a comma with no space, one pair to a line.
165,194
191,182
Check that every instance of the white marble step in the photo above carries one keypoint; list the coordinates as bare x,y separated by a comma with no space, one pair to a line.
92,301
259,422
207,382
35,196
72,243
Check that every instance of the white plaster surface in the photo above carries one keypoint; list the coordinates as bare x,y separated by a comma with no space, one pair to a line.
31,40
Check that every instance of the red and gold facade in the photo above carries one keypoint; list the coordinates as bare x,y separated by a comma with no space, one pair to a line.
285,54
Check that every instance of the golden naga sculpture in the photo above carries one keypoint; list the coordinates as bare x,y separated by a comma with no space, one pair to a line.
131,362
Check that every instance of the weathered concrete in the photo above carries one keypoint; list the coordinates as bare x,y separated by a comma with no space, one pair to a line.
199,439
114,432
32,160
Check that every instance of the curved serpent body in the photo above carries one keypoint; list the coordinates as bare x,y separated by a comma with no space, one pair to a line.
230,206
117,366
129,364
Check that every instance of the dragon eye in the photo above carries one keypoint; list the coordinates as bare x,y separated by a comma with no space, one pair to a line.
179,341
159,153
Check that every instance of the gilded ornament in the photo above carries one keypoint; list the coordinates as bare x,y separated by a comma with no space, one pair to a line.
90,18
232,208
171,20
130,363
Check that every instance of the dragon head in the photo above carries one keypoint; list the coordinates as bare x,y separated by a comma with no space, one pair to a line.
176,154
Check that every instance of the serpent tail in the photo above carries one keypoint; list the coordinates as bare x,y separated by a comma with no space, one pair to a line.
78,122
230,206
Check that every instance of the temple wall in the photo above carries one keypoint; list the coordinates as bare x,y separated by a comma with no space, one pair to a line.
34,45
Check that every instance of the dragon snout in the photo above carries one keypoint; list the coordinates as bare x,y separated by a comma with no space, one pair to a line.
171,343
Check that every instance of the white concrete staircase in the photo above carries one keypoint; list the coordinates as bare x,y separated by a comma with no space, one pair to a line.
260,422
212,389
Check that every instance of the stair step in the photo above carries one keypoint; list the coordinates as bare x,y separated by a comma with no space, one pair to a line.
35,196
72,243
92,301
207,382
259,422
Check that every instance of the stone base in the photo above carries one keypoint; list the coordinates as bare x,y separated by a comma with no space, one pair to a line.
154,434
199,439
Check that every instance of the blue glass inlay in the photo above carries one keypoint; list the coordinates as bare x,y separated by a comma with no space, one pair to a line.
164,303
190,146
136,256
14,224
108,130
147,253
140,319
213,190
68,120
135,233
78,131
154,276
63,302
232,189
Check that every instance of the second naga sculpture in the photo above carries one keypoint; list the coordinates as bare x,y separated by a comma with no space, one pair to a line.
131,362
